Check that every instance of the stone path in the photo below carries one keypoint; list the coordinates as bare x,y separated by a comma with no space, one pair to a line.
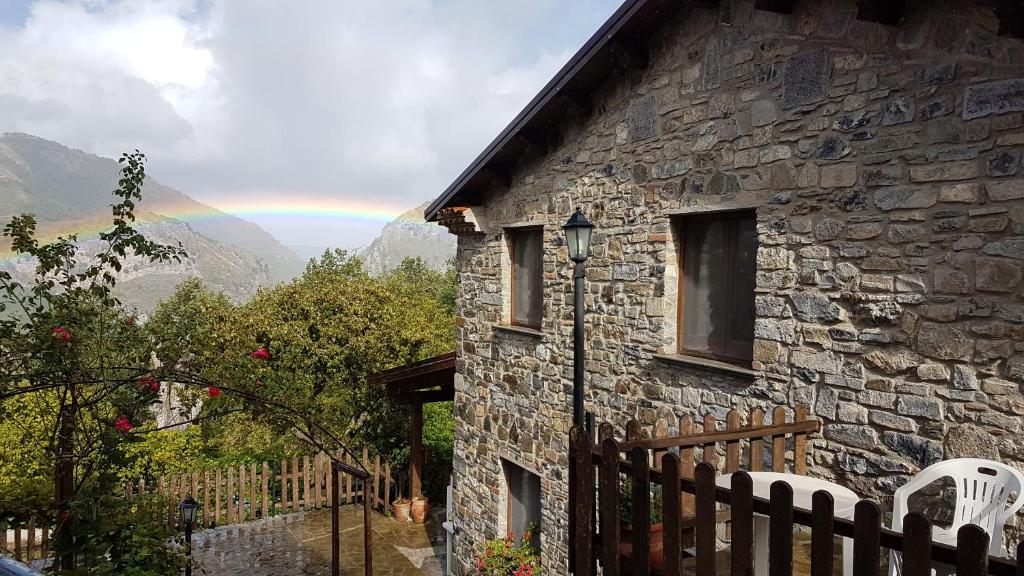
300,544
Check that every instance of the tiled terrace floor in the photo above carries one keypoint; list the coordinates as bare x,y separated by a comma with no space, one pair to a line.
300,544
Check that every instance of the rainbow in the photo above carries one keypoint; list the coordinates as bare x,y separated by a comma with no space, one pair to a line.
150,212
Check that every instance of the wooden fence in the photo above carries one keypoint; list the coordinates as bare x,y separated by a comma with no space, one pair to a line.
26,541
599,539
246,492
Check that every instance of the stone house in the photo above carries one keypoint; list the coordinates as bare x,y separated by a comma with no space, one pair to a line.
809,202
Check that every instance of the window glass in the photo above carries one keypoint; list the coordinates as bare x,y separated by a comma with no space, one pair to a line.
719,264
523,501
527,277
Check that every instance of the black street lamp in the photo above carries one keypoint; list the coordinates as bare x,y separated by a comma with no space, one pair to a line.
578,231
188,509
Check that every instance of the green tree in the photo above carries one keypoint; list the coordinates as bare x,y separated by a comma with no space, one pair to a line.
65,341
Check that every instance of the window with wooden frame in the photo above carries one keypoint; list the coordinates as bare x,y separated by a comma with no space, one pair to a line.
718,261
526,248
523,512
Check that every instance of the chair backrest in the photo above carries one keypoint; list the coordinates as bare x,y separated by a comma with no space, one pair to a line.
983,491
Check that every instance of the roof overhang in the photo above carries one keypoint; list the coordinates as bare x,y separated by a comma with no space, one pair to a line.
430,380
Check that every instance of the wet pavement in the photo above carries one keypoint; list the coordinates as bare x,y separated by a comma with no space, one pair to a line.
300,544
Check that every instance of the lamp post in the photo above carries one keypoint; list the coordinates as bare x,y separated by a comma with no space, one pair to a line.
577,236
188,510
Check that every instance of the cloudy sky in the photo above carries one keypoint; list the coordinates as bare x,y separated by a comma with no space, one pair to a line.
361,108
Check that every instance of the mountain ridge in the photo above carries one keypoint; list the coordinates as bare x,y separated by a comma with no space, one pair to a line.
70,190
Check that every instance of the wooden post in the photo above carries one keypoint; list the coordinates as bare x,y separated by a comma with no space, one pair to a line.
387,487
867,521
705,532
295,484
711,449
206,497
757,444
800,442
335,524
609,489
230,503
217,500
822,533
780,532
332,482
30,544
972,551
264,488
416,449
917,546
317,481
641,514
742,516
307,490
376,481
672,509
779,442
284,485
583,502
252,490
732,447
367,531
242,492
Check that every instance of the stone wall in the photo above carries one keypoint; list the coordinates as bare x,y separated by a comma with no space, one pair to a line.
884,164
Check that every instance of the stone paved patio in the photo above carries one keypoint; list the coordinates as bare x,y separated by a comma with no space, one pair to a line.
300,544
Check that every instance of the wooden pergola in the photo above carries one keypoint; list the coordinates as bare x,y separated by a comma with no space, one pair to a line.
430,380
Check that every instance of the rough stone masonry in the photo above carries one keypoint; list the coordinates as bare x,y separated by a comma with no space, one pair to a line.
885,167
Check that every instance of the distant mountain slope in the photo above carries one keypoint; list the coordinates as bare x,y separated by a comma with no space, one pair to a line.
70,190
409,236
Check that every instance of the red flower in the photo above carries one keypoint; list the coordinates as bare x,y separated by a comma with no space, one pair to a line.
123,424
524,570
149,382
213,391
260,354
129,321
61,334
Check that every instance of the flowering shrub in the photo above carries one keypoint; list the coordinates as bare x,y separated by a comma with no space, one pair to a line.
508,557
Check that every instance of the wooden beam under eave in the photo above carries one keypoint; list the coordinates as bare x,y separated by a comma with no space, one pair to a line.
427,397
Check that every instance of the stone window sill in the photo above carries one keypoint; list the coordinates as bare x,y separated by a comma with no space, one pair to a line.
520,330
706,363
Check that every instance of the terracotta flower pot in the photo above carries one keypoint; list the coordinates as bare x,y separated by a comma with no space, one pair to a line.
401,509
419,510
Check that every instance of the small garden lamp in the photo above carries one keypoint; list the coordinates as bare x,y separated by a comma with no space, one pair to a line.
188,509
578,231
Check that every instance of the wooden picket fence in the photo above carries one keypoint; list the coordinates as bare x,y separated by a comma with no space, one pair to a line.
26,541
241,493
601,539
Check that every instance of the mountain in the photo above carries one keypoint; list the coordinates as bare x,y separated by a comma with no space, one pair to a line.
409,236
69,191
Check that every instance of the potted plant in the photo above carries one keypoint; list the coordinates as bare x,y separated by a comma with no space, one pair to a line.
508,557
401,509
419,509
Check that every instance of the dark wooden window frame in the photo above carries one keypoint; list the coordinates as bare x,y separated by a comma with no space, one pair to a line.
511,235
679,226
507,470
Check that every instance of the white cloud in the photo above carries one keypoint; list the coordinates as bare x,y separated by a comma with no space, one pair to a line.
383,100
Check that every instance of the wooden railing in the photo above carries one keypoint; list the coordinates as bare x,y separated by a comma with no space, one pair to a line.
599,540
240,493
26,541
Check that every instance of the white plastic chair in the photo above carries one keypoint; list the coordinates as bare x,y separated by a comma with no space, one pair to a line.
983,491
